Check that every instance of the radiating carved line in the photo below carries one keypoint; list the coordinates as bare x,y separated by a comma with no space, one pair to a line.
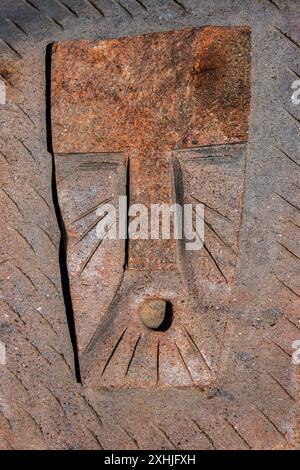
141,4
92,409
34,421
128,12
25,114
294,71
132,355
48,236
19,380
94,435
96,7
5,157
277,345
32,5
204,433
114,350
195,346
214,210
183,361
287,201
164,434
42,197
210,255
91,227
55,21
271,422
12,200
61,355
56,399
237,433
287,287
130,437
293,223
26,148
68,8
81,216
293,116
157,362
17,313
289,157
25,275
223,242
37,350
274,4
289,251
49,279
12,48
282,387
180,4
45,319
25,239
7,420
86,262
16,25
289,38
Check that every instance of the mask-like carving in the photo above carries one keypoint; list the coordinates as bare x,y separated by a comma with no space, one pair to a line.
161,118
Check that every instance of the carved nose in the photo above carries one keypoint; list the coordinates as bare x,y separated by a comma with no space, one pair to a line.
153,312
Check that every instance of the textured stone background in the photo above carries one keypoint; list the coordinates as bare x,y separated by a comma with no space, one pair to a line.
254,402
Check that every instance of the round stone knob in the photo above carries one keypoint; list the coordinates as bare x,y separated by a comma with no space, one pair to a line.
153,312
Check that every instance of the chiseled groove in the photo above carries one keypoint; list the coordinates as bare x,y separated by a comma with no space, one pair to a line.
132,355
195,346
287,201
95,437
133,439
57,400
29,2
91,227
113,351
17,26
183,362
282,387
128,12
208,225
13,310
157,362
271,422
94,412
289,157
91,209
289,38
204,433
55,21
294,117
213,210
278,346
96,7
237,433
180,4
164,434
289,251
287,287
68,8
25,239
13,201
48,236
17,53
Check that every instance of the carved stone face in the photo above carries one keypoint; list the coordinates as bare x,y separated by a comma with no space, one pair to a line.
161,118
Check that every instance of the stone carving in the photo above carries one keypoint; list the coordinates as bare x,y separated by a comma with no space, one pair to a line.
161,118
